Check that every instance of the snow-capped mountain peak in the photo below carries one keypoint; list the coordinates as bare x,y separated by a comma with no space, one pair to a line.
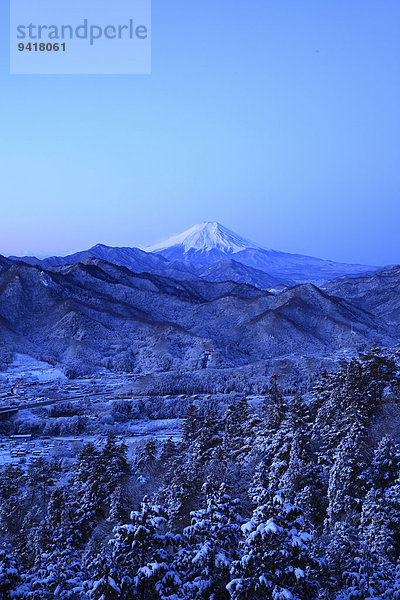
211,242
205,237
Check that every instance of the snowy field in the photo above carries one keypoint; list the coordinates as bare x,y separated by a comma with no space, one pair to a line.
22,451
26,368
41,382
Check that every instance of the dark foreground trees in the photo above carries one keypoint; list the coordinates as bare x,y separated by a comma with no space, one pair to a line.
294,498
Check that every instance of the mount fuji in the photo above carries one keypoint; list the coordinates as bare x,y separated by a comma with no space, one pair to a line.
207,292
210,252
205,238
211,242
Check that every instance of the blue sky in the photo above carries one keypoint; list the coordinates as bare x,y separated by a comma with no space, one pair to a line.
280,119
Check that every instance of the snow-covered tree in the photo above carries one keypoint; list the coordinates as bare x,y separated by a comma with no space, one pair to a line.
97,474
213,544
302,480
277,560
393,589
142,556
237,426
55,574
341,547
102,585
367,579
9,576
385,466
347,480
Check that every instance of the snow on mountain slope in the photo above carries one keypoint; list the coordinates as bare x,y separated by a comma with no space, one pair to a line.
4,262
299,268
208,243
92,315
378,293
186,257
231,270
206,237
134,259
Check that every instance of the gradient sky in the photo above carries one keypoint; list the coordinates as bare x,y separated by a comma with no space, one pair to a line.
280,119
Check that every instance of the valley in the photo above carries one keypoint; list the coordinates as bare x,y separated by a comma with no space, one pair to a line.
160,380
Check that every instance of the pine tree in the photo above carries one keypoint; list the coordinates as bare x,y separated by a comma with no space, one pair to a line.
113,459
366,580
55,574
303,479
11,481
213,538
9,576
347,482
97,474
352,395
41,479
63,520
385,466
393,590
141,556
380,522
274,410
236,426
342,546
191,424
276,457
168,453
102,585
379,370
11,515
180,493
277,560
146,460
117,505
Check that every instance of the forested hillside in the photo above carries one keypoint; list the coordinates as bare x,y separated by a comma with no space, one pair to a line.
296,498
92,316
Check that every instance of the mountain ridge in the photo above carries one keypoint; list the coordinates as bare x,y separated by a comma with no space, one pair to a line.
206,251
377,292
95,314
210,242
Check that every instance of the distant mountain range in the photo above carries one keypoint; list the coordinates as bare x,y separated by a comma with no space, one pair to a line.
204,299
211,252
378,293
95,314
4,263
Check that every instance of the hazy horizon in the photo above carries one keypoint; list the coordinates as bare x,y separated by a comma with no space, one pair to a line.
171,234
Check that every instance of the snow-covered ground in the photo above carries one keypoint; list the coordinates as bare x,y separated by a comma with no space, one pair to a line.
22,451
25,367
